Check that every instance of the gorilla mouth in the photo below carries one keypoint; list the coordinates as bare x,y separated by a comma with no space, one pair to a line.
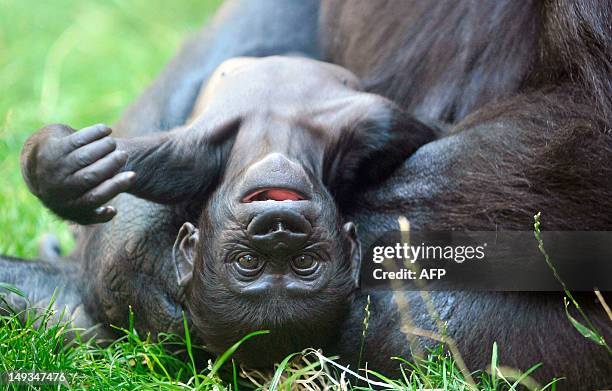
273,194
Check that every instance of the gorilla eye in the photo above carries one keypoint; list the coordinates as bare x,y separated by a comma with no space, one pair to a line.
304,264
248,261
248,265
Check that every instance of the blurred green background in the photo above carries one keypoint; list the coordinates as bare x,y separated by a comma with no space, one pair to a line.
77,62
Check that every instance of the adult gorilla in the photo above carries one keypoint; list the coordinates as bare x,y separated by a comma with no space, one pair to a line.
525,88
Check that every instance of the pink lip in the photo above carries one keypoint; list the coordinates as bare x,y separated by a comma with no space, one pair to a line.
273,194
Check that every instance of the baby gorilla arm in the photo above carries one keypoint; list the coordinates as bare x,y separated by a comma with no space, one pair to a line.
178,165
76,173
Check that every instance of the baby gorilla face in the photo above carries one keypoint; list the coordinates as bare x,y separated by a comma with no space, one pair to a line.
275,257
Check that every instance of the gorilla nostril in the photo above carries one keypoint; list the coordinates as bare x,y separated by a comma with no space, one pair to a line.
276,227
278,231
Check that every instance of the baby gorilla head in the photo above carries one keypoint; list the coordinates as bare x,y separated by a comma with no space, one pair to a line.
272,252
274,255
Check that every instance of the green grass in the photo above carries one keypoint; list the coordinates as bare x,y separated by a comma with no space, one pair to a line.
135,362
79,63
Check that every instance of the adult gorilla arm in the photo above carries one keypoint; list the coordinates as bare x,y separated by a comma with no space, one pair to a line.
537,100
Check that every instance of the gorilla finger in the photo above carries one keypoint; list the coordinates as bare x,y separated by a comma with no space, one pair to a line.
90,153
100,171
104,213
104,210
86,136
108,189
100,215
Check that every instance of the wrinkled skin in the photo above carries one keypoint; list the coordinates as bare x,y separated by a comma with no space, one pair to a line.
525,136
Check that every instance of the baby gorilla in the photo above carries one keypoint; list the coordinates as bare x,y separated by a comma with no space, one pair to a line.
273,150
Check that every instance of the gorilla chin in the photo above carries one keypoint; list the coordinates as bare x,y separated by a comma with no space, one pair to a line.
294,323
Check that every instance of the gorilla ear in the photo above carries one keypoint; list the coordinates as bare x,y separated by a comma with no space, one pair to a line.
183,253
355,247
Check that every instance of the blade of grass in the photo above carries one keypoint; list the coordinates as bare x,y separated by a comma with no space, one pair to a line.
190,351
590,326
279,371
13,289
229,352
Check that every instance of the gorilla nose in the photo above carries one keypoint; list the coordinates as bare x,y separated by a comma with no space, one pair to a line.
278,232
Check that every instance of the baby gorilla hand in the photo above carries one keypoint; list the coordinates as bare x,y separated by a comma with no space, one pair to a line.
76,173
